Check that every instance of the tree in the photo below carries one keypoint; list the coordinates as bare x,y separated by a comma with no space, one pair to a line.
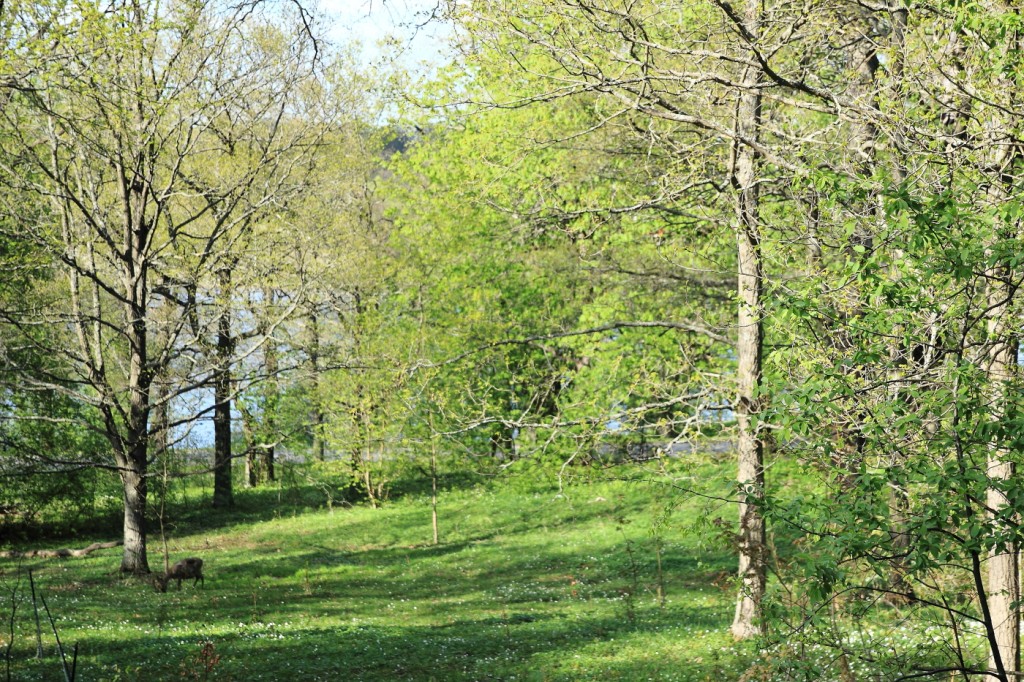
118,140
903,343
842,139
753,568
654,75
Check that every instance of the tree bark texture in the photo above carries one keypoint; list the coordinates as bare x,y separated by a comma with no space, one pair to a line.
1001,164
270,417
133,446
222,486
316,414
752,555
133,478
1003,567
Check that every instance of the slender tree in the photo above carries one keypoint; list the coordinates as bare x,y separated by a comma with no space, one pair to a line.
750,343
119,137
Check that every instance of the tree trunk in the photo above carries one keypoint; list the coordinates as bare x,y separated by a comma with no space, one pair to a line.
433,479
252,478
1004,584
133,480
160,436
750,448
366,449
270,413
1003,571
253,454
222,489
316,413
133,447
1002,163
268,463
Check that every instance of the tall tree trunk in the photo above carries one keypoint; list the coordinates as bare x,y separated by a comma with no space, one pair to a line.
1003,567
222,488
433,483
749,346
252,474
1003,571
134,445
316,413
250,431
270,407
268,463
1003,165
133,465
900,498
133,480
366,450
159,442
160,432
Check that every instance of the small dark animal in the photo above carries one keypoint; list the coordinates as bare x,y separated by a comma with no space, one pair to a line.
182,570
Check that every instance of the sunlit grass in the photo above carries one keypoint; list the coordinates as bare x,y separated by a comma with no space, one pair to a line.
536,584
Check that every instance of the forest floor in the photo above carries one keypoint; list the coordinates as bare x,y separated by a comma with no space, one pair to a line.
528,582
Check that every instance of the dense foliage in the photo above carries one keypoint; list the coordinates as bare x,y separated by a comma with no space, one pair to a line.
608,236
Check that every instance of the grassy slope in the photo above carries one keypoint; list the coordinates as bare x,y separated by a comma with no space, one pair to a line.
524,586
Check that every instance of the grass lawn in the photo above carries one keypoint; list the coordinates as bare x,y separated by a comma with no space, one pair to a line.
525,585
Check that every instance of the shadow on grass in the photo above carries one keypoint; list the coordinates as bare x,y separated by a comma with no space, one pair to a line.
190,511
505,646
536,599
456,579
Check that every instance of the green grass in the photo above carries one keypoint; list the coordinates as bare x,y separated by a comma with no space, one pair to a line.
525,585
